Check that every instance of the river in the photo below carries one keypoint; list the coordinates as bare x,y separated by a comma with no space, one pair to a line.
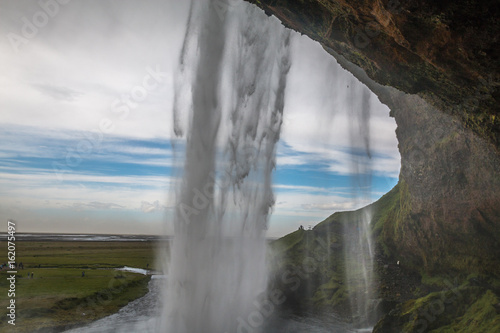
142,316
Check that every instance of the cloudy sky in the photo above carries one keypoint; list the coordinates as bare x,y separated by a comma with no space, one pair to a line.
78,154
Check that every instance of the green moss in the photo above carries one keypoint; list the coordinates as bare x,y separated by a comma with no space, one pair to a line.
341,296
479,317
460,309
384,209
326,291
435,281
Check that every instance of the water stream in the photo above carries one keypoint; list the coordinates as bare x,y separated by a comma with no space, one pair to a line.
143,315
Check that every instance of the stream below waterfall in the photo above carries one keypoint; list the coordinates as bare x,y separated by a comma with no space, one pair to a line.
142,316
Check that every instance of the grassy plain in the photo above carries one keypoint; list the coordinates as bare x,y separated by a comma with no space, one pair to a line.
58,296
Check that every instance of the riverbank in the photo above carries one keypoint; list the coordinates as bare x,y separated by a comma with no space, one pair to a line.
66,284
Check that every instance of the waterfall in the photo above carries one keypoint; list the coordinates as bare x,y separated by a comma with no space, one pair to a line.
359,261
358,244
228,108
229,99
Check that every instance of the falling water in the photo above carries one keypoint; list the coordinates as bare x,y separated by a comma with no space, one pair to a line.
229,100
228,105
359,268
358,243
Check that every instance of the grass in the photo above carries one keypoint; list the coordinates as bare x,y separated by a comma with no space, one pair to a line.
58,296
84,254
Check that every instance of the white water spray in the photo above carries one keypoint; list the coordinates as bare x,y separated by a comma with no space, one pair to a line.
229,103
358,244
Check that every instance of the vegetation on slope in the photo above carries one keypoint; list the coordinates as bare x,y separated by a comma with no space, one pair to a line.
309,267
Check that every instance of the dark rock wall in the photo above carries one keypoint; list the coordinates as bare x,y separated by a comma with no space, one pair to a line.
451,217
449,213
446,51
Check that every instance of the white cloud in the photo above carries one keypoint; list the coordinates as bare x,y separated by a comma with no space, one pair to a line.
149,207
283,160
69,74
314,205
48,177
32,190
79,206
332,207
299,188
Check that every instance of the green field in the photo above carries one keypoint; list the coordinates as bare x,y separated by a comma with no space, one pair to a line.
58,296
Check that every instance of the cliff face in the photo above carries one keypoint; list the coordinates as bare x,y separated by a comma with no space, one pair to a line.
435,64
309,266
443,60
451,194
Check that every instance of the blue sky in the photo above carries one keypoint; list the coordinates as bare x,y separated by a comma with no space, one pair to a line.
77,156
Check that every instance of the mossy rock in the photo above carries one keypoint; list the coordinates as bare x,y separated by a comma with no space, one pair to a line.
461,309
